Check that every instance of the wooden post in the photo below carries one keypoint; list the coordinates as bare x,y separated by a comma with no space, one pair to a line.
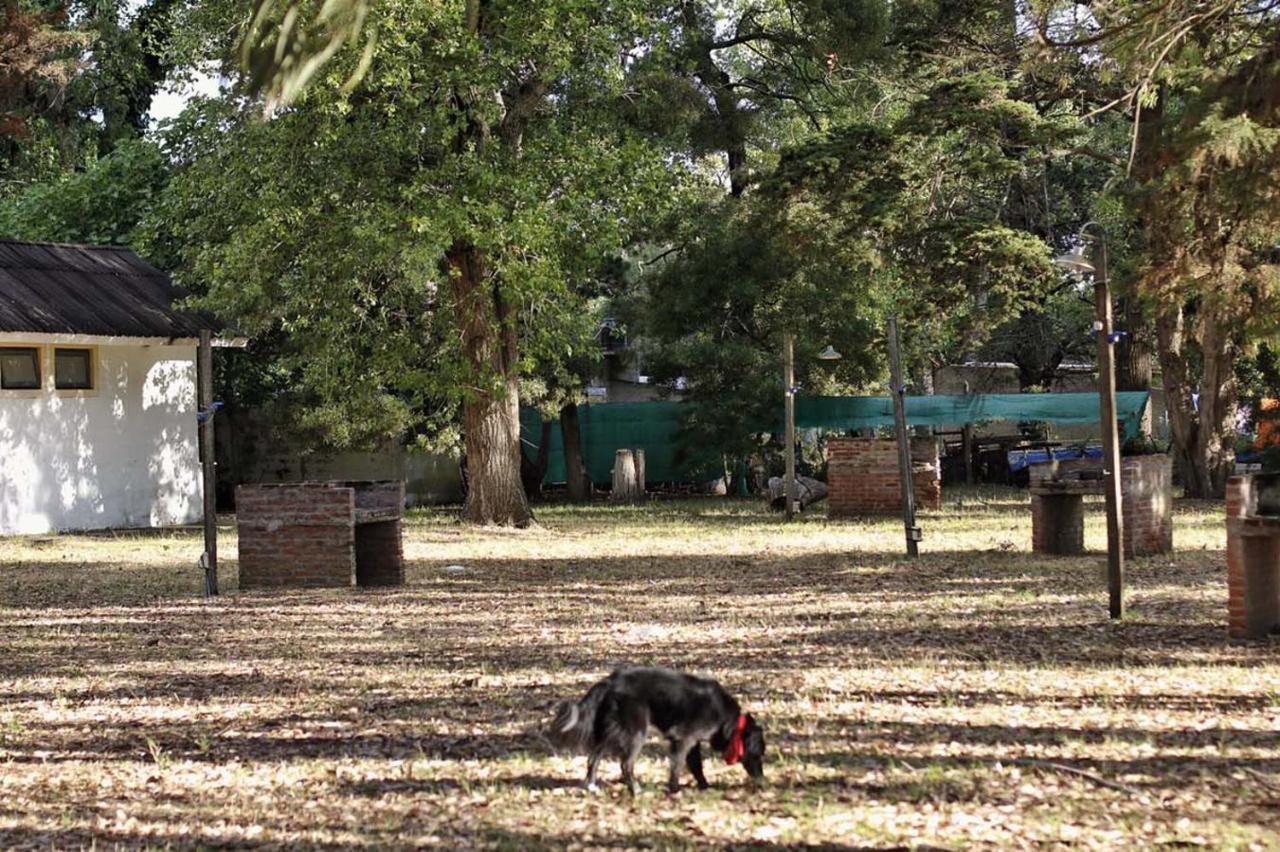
789,383
204,397
966,447
638,457
1110,436
906,480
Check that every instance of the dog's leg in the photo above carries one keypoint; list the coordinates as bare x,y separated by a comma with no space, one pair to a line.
679,752
695,766
629,763
593,762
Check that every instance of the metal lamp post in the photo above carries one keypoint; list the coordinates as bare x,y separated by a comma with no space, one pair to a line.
1076,263
789,383
906,480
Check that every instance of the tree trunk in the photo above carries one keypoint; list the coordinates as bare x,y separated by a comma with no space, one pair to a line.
625,488
1216,449
1133,354
638,455
532,472
491,411
575,472
1203,430
726,116
808,492
1133,351
486,323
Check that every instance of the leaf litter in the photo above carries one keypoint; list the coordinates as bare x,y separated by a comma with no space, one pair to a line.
977,697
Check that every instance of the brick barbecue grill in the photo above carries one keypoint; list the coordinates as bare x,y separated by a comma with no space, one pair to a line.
316,534
1057,504
1253,556
862,476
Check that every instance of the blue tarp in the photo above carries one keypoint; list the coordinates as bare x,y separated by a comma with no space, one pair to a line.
1019,459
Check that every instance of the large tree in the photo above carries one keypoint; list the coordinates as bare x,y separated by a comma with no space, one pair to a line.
1197,83
907,212
76,81
39,57
417,229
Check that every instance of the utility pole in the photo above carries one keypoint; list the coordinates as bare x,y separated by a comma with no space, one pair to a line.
1110,434
905,479
204,408
789,381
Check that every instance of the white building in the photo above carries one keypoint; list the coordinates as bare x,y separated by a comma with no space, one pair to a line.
97,392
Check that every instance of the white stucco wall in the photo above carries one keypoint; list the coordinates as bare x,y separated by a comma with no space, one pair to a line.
123,455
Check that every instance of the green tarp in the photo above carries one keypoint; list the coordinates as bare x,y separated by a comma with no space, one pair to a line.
864,412
653,426
609,427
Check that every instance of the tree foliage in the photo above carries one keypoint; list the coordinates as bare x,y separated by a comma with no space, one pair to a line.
423,239
421,210
908,215
1197,84
103,205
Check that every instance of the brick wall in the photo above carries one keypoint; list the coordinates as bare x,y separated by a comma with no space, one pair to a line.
1146,483
862,476
1146,486
316,534
295,535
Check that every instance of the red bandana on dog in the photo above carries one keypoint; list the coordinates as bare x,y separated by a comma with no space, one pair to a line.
733,751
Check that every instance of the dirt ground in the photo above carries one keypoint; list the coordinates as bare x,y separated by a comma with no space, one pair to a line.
977,696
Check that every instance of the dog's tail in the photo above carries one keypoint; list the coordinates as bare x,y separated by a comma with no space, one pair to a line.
573,726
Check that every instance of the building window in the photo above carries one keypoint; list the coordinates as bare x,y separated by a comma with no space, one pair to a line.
19,368
73,369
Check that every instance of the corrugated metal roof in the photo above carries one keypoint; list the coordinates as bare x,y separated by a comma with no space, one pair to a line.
55,288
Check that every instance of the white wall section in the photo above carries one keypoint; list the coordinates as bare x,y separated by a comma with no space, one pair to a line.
121,455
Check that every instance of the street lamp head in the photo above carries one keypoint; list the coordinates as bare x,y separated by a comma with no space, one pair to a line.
829,354
1075,262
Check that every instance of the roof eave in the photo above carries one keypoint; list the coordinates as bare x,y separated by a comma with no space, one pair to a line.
46,338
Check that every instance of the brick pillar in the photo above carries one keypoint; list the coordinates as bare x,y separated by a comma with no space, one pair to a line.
1253,558
926,472
1146,483
379,554
1239,489
862,476
1057,524
379,551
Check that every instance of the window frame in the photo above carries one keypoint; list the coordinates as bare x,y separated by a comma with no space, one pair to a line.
91,353
38,351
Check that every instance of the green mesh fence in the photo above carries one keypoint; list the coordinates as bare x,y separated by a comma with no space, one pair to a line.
653,426
609,427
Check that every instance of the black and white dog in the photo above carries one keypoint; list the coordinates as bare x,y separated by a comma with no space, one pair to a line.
614,717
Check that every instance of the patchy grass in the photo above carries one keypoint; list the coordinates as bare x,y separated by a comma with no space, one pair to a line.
938,702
